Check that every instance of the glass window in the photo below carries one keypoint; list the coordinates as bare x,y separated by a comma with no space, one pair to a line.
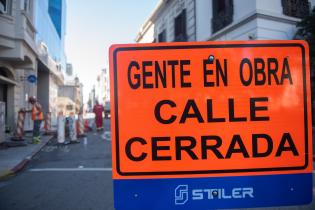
180,27
162,36
27,5
296,8
4,4
222,14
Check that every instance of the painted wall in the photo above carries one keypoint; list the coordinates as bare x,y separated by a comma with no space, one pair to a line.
242,8
203,19
147,35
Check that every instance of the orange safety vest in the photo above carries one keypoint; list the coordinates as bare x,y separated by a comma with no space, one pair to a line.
37,114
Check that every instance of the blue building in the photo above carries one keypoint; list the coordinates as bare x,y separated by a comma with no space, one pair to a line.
50,24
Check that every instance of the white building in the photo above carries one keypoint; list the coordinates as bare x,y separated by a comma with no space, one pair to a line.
203,20
73,90
102,87
69,75
107,86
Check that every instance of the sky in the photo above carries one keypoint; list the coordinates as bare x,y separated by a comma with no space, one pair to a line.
94,25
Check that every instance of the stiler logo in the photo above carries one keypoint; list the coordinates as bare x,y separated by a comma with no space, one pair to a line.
182,194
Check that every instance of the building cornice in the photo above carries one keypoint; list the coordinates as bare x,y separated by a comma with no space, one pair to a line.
144,28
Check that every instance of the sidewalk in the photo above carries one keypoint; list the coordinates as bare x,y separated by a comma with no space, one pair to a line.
13,159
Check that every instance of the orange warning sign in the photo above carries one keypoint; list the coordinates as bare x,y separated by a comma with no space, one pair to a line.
210,109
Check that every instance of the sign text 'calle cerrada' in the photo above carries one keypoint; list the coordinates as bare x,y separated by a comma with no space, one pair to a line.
208,125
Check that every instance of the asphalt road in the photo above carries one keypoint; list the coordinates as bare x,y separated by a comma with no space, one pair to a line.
71,177
75,176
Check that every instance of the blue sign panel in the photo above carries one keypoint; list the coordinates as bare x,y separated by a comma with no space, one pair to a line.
32,78
213,193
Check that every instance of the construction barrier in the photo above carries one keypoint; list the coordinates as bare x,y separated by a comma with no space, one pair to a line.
61,128
80,125
19,130
47,125
72,128
2,122
86,126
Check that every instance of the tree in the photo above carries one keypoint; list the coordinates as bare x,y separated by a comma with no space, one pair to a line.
306,31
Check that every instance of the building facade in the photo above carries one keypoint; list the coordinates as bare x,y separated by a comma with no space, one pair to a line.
91,100
32,58
192,20
69,76
100,91
107,86
50,38
73,91
18,56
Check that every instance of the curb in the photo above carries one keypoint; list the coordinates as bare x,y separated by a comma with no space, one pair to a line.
23,162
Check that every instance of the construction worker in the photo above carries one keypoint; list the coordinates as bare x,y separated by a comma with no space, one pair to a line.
37,117
98,111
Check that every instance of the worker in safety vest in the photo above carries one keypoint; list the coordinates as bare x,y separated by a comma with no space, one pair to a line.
37,117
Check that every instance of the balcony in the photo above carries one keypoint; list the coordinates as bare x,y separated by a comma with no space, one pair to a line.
50,64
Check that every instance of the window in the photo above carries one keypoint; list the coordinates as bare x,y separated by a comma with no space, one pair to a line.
222,14
4,4
162,36
180,27
27,5
69,107
296,8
